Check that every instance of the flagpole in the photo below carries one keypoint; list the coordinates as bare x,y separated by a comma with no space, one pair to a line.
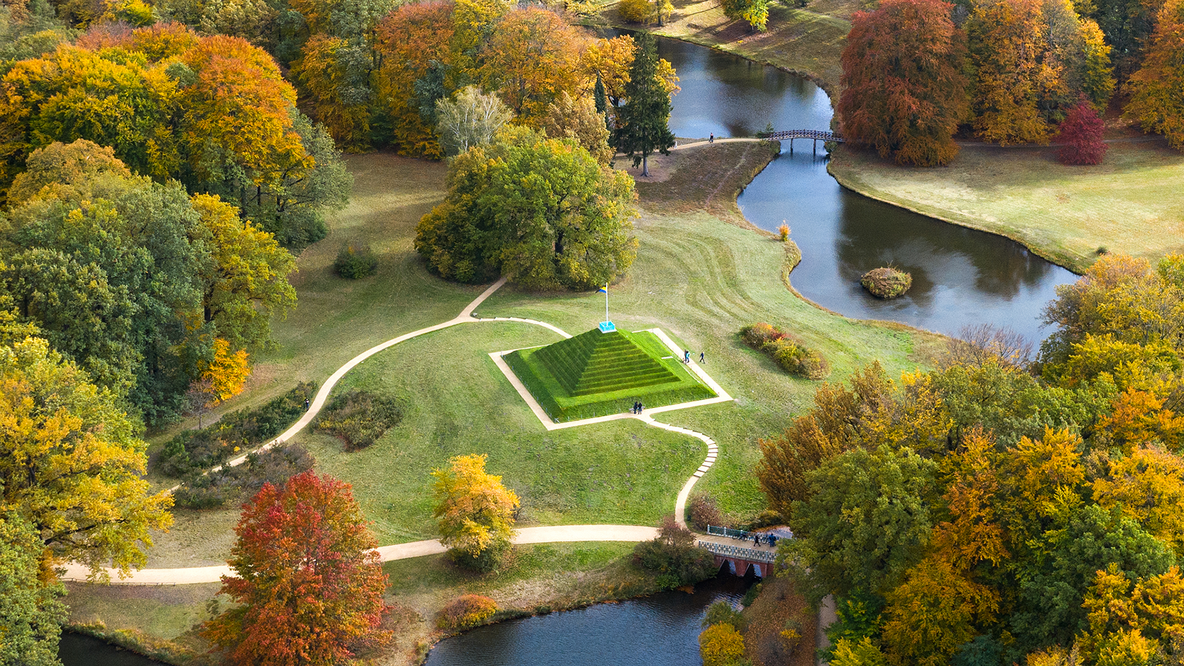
606,301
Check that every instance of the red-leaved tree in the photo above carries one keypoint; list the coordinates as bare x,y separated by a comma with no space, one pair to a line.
1081,136
903,87
308,578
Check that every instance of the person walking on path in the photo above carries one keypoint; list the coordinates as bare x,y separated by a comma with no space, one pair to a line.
711,139
686,356
701,357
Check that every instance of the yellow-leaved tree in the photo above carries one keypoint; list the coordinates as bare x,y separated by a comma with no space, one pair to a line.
227,372
475,512
71,463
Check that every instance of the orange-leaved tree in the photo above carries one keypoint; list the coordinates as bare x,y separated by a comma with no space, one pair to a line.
307,577
903,88
475,512
1157,89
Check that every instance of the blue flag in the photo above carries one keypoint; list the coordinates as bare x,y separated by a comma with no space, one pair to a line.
601,291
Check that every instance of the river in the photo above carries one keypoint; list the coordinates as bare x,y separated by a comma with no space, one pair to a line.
960,276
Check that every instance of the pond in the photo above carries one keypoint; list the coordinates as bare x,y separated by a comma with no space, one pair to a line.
662,630
960,276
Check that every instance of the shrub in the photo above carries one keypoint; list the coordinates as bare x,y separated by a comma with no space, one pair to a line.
194,451
783,232
704,512
360,418
787,350
722,612
721,645
751,595
759,335
674,556
355,260
233,484
636,11
1081,136
466,611
886,282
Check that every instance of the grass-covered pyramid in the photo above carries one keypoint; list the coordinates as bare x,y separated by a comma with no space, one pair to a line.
597,374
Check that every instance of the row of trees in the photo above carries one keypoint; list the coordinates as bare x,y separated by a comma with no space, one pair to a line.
1011,71
993,509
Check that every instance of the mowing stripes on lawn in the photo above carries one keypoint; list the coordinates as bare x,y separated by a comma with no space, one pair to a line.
598,374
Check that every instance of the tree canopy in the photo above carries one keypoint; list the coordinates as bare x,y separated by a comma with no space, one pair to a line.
539,211
645,118
475,512
306,576
904,91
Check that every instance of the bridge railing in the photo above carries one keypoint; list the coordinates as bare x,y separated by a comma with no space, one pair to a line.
818,135
717,530
739,552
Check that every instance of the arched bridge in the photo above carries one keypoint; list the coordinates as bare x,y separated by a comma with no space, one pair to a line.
814,135
739,559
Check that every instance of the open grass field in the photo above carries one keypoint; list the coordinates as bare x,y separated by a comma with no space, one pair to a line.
598,374
1130,203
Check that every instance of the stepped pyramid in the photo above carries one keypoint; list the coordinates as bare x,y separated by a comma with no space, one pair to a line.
595,362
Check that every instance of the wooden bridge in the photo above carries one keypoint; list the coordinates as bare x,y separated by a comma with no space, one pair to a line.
740,559
814,135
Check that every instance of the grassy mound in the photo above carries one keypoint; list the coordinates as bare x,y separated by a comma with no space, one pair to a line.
886,282
597,374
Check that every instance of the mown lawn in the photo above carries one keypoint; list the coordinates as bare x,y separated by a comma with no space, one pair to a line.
1130,203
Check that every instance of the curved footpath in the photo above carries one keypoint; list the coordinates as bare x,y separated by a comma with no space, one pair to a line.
526,535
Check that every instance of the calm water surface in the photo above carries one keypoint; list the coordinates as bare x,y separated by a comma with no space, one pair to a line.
662,630
960,277
79,650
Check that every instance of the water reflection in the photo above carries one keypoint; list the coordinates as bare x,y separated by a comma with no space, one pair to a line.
79,650
661,630
960,276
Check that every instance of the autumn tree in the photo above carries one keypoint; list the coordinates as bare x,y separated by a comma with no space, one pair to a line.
409,40
306,575
1081,136
245,283
753,12
531,59
73,466
579,119
472,119
1008,44
645,118
721,645
52,171
1157,88
475,512
333,74
904,91
227,372
539,211
31,613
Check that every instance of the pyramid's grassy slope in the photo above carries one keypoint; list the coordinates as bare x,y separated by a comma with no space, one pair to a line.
596,374
595,362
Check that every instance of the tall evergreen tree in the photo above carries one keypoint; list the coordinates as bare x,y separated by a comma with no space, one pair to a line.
645,116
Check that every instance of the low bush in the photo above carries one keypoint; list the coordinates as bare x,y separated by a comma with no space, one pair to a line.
359,418
722,612
466,611
788,351
783,232
195,451
674,556
232,485
355,260
704,512
636,11
886,282
722,645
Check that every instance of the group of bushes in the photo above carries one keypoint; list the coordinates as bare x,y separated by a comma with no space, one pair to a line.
674,556
359,418
355,261
231,485
787,350
195,451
